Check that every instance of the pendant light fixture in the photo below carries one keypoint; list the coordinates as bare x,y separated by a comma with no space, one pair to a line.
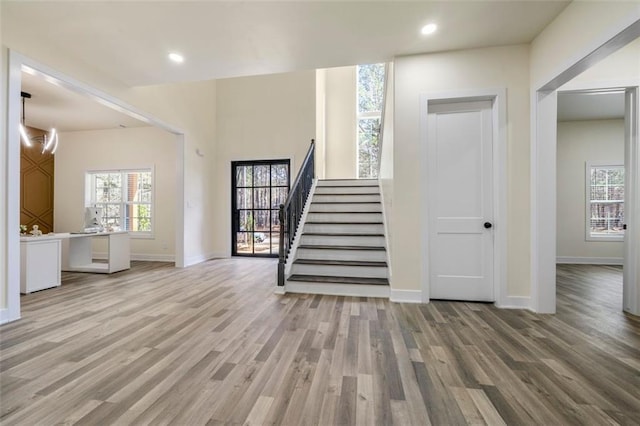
49,142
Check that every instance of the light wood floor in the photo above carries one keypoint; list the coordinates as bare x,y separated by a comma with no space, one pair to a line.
213,344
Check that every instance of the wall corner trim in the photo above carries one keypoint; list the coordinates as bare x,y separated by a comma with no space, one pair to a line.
406,296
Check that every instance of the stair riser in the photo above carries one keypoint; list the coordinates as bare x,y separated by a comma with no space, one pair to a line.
342,240
347,190
344,217
357,290
348,182
346,207
340,271
344,228
327,198
322,254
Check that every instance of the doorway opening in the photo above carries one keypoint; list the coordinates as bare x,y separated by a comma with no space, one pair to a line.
258,189
590,204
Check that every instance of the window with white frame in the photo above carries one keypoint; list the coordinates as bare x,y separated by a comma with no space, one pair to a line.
125,196
605,202
370,86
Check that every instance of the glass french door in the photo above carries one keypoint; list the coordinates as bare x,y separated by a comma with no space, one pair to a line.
258,188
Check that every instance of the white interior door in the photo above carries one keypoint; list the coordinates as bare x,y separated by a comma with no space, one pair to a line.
460,208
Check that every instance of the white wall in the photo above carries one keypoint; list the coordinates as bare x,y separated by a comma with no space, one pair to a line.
340,137
263,117
132,148
499,67
192,108
580,142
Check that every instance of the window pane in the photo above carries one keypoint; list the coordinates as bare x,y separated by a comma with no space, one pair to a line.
607,218
275,221
138,187
244,242
140,217
244,198
280,175
368,147
278,196
370,86
261,198
244,176
615,193
111,215
598,193
108,187
262,220
246,220
616,176
261,243
262,176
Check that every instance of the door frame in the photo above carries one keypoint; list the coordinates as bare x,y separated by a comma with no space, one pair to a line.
544,113
16,63
233,199
498,98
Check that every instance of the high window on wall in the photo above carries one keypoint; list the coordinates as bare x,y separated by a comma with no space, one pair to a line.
126,199
605,202
370,86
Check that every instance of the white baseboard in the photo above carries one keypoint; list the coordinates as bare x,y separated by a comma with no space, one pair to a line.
141,256
514,302
279,290
590,260
406,296
194,260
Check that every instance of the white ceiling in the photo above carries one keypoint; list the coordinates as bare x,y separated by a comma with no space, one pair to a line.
129,40
575,106
54,106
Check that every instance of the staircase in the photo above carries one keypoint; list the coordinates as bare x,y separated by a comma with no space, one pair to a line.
341,249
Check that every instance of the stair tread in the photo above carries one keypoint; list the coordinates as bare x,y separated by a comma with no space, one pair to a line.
338,280
349,212
342,234
334,262
329,247
330,194
345,202
343,223
347,186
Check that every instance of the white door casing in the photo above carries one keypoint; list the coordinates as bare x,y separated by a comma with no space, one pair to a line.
631,272
461,204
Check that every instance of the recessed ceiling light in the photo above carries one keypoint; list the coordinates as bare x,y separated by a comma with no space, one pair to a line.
176,57
429,29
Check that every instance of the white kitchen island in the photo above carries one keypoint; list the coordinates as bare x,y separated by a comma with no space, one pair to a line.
77,252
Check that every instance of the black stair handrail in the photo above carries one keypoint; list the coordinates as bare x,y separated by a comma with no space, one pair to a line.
291,210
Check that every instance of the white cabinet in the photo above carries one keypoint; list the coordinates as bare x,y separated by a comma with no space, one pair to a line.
39,263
